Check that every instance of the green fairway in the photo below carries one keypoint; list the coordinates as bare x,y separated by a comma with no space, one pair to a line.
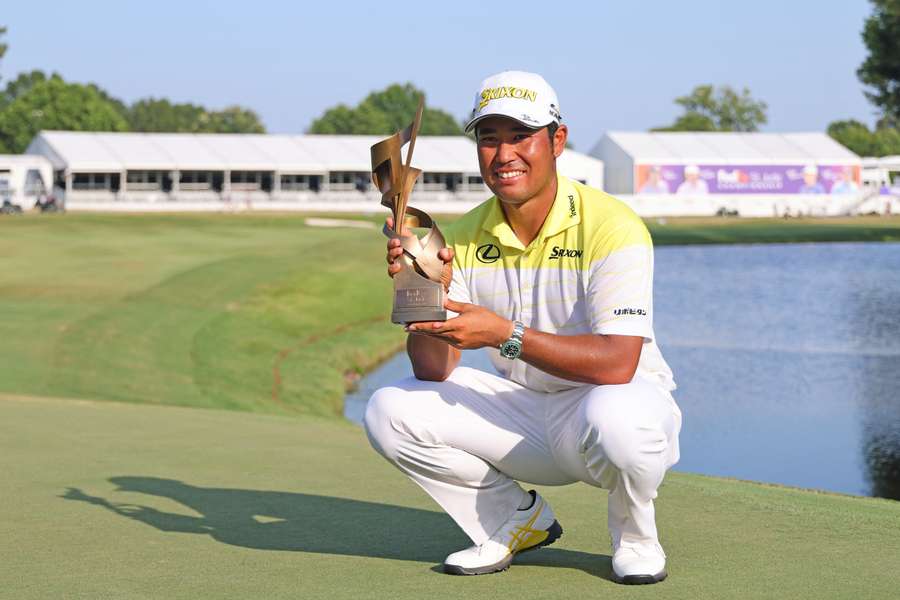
247,312
109,500
263,314
252,313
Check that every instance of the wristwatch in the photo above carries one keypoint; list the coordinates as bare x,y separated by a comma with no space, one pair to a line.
512,347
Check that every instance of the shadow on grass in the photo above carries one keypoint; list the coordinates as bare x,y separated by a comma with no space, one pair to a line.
287,521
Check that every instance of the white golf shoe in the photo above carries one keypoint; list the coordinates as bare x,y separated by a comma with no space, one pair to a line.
527,529
639,564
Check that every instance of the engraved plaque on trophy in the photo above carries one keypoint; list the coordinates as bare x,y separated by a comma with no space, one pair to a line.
418,292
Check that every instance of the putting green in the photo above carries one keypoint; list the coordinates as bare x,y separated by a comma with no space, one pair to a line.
113,500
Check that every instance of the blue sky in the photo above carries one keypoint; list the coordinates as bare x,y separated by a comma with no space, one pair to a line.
615,65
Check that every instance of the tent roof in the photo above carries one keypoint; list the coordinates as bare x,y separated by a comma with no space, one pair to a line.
98,152
729,148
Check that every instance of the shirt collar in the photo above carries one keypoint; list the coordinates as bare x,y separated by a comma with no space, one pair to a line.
565,213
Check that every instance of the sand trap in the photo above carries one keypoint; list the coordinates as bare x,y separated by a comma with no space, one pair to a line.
323,222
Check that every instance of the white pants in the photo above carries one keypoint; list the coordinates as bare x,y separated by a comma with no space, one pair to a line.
467,439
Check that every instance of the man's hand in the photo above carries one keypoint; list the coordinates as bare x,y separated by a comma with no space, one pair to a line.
475,327
395,251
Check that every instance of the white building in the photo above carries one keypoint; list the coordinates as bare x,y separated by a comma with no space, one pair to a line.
24,179
693,173
198,171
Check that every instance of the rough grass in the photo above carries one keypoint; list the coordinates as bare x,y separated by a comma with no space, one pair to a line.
110,500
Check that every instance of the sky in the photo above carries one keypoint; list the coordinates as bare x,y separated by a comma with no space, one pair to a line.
615,65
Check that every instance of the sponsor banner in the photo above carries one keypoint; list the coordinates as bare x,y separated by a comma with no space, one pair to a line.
747,179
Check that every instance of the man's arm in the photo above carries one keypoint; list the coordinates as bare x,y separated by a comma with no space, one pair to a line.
591,358
432,359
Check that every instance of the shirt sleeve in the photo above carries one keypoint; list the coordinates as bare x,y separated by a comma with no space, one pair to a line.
619,291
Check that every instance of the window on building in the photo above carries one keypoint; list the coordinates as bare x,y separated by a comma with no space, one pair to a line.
95,181
441,182
140,181
194,181
298,182
350,180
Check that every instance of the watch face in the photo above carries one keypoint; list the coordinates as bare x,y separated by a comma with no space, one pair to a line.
511,349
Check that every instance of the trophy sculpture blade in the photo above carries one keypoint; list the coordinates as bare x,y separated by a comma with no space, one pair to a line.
418,291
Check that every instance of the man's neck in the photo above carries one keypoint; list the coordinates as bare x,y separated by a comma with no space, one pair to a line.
527,218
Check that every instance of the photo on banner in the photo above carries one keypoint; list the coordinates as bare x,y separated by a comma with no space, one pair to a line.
700,179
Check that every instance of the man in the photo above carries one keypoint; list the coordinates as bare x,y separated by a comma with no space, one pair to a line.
655,183
811,183
845,183
692,184
555,278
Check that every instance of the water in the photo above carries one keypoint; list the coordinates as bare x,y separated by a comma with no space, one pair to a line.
787,359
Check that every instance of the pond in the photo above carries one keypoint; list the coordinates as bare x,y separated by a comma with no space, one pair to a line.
787,359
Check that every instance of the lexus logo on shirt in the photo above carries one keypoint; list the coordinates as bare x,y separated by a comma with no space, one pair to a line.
487,253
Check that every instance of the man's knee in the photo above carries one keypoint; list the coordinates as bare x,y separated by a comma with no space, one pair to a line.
625,431
384,406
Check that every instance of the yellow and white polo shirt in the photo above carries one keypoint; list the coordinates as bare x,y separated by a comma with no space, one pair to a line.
589,270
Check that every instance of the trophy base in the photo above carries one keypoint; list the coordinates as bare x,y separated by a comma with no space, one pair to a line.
402,317
417,299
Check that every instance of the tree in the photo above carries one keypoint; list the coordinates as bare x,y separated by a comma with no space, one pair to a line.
233,119
51,103
860,139
3,45
881,69
384,112
160,115
724,109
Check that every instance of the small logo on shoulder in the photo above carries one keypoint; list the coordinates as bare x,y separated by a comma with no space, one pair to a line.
630,311
487,253
558,253
571,205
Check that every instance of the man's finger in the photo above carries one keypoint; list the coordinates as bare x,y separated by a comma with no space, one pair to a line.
457,307
446,254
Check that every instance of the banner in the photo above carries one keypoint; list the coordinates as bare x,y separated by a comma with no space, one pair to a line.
746,179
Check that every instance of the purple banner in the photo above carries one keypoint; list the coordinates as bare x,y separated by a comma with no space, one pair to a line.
697,180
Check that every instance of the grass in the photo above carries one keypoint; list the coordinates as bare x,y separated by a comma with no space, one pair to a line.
247,312
261,314
216,311
758,231
113,500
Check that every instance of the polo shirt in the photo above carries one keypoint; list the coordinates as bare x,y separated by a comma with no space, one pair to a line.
589,270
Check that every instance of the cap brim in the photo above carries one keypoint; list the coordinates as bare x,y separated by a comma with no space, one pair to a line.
529,124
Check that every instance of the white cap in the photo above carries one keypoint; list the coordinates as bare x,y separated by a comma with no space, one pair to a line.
525,97
810,170
692,170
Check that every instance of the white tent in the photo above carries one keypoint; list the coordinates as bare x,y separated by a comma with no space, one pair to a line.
728,162
127,163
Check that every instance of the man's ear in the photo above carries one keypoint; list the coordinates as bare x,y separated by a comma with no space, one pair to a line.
559,140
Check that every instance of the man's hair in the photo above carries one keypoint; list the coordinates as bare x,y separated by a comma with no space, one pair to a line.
551,129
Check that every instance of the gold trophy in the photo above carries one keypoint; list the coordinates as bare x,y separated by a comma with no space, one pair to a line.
418,292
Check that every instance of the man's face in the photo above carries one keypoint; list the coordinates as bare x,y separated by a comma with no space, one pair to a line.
517,162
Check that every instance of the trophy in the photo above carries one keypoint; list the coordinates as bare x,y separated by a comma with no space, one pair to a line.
418,291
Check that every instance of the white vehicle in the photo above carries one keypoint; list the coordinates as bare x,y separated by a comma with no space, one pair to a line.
25,181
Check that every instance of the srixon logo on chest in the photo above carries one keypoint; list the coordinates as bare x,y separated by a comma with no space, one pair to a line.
558,253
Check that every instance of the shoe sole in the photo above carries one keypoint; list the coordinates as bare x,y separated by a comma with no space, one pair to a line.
554,532
640,579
